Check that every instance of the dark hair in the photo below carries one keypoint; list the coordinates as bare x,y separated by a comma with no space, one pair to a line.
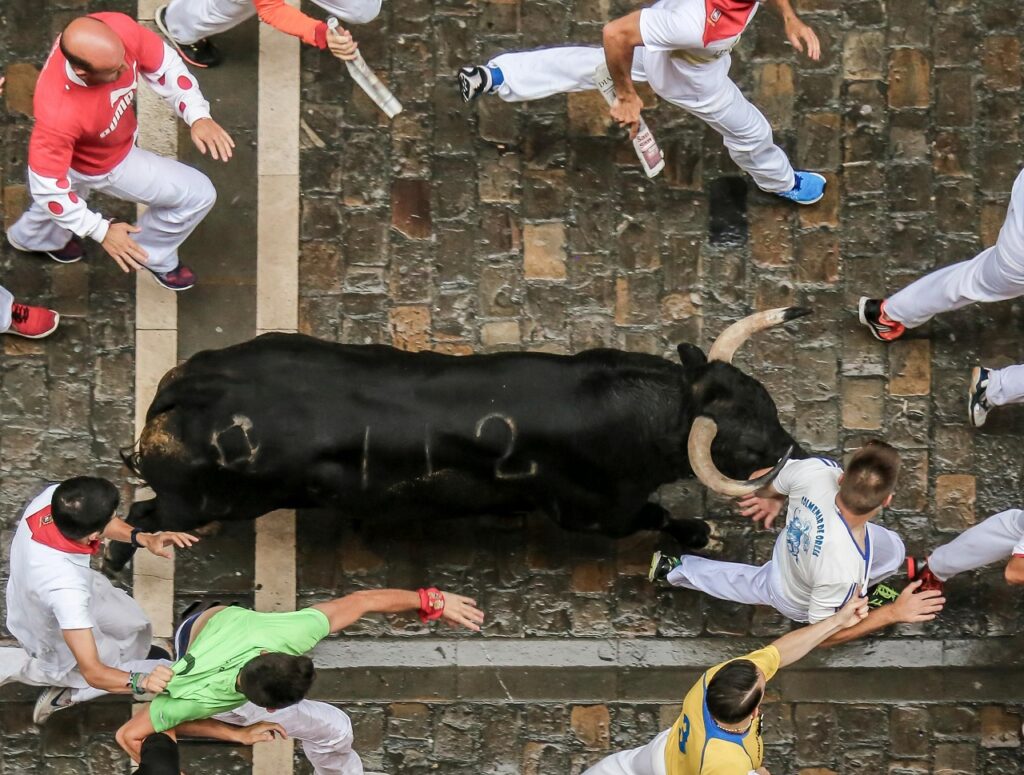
159,756
870,477
83,505
733,693
75,61
276,680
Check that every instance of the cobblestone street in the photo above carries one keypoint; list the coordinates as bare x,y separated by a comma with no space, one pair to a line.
532,227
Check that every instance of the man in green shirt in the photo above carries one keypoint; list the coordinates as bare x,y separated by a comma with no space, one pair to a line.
237,668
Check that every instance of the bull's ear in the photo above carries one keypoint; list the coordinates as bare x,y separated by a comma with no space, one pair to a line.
691,356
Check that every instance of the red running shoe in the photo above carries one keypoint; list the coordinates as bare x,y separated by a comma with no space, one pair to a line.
918,570
181,278
32,322
872,314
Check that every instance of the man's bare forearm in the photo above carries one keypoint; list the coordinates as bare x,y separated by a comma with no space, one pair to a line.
795,645
211,728
877,619
620,38
783,9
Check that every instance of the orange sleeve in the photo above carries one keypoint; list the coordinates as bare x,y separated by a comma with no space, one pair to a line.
292,21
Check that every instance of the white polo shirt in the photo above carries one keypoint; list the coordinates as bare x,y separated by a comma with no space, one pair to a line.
48,591
819,565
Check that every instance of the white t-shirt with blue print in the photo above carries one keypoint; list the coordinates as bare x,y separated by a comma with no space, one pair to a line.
819,564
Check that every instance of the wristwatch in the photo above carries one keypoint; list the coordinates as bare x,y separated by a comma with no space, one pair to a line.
135,537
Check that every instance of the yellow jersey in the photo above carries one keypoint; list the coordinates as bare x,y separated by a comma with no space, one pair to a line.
698,746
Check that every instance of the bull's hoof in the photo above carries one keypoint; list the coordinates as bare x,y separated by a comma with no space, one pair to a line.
209,530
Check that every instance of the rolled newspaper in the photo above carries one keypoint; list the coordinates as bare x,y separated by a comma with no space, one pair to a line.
368,81
646,147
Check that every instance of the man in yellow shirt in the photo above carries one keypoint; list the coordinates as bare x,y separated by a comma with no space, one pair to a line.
719,730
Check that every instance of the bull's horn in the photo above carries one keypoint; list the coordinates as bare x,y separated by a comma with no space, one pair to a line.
702,434
730,340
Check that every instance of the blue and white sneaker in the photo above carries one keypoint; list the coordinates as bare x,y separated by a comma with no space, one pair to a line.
475,80
977,399
809,188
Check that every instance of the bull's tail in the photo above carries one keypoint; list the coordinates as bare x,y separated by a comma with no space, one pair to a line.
132,458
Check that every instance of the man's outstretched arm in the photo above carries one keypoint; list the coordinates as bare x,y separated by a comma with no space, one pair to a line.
455,609
797,644
910,607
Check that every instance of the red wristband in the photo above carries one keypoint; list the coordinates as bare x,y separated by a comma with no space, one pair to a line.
320,35
431,604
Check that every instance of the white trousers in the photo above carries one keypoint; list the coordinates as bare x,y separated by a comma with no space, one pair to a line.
760,584
324,731
192,20
646,760
6,300
177,197
995,274
123,636
705,90
997,538
1005,386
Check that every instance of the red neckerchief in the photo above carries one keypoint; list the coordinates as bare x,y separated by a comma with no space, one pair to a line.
45,532
726,18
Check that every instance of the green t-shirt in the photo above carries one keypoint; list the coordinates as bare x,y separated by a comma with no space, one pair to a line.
204,679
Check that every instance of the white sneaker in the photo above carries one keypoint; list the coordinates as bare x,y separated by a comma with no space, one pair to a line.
50,701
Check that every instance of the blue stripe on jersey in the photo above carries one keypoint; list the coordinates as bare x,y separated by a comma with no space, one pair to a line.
829,461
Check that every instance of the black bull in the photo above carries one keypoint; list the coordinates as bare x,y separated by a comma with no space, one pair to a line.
288,421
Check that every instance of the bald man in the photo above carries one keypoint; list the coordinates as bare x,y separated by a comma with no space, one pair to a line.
83,141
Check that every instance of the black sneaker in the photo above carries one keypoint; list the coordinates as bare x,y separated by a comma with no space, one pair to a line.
474,80
977,397
882,594
202,53
662,565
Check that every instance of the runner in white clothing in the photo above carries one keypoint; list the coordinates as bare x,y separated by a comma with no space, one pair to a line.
995,274
829,552
78,634
997,538
680,47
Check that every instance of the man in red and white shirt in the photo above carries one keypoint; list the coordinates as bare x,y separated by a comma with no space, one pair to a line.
78,634
84,141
